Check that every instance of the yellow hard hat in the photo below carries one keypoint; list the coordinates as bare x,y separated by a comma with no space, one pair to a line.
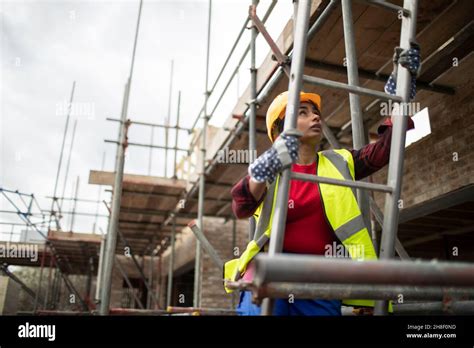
277,109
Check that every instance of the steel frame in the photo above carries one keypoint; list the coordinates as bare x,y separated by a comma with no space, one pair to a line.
392,189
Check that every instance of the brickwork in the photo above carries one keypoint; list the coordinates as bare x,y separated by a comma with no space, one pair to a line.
431,168
220,236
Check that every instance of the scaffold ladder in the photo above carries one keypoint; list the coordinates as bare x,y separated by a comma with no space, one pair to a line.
296,78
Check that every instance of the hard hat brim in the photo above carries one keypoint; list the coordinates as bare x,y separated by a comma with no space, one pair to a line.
304,97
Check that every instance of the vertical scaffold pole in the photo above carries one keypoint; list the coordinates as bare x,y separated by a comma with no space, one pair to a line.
202,178
358,135
58,172
168,117
295,83
98,282
171,264
117,193
175,167
397,152
68,164
253,108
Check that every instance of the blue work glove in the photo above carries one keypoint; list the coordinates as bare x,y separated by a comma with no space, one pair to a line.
409,59
277,158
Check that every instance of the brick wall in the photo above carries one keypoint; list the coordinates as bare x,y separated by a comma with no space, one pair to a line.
116,292
8,296
429,168
220,236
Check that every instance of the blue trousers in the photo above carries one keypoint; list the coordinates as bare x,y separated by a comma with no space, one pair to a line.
284,308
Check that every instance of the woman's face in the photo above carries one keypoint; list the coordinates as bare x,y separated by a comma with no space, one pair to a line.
309,123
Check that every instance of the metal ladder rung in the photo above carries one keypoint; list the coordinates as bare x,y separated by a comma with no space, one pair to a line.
354,184
353,89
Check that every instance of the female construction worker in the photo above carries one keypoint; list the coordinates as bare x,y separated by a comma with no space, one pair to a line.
319,216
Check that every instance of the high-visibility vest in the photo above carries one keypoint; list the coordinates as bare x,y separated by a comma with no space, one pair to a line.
340,209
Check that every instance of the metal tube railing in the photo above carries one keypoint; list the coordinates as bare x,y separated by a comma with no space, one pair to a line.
395,168
295,84
206,245
202,178
318,269
147,145
118,181
354,184
140,123
263,95
171,264
266,90
58,172
66,175
318,81
358,132
253,107
246,51
330,291
178,112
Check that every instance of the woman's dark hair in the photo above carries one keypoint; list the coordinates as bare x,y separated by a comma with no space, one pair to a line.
280,125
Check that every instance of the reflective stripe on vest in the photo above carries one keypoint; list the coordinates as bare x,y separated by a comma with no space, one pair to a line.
340,204
349,227
234,269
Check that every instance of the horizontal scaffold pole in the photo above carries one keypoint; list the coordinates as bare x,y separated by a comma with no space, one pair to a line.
318,269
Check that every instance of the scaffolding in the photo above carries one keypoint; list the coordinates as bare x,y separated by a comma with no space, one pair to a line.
280,275
56,260
277,283
198,187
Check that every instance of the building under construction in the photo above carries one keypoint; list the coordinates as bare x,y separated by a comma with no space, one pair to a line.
169,237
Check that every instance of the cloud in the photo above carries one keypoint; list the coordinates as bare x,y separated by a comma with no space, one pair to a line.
46,45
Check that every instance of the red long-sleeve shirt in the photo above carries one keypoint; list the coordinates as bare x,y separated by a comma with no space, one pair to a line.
306,228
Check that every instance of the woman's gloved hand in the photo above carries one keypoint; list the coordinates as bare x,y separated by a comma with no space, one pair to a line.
281,155
409,59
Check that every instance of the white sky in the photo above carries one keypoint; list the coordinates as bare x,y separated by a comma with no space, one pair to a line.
46,45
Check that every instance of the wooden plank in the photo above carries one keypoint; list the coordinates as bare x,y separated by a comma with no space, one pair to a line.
107,178
445,201
459,76
459,46
446,24
429,38
151,202
73,237
129,216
